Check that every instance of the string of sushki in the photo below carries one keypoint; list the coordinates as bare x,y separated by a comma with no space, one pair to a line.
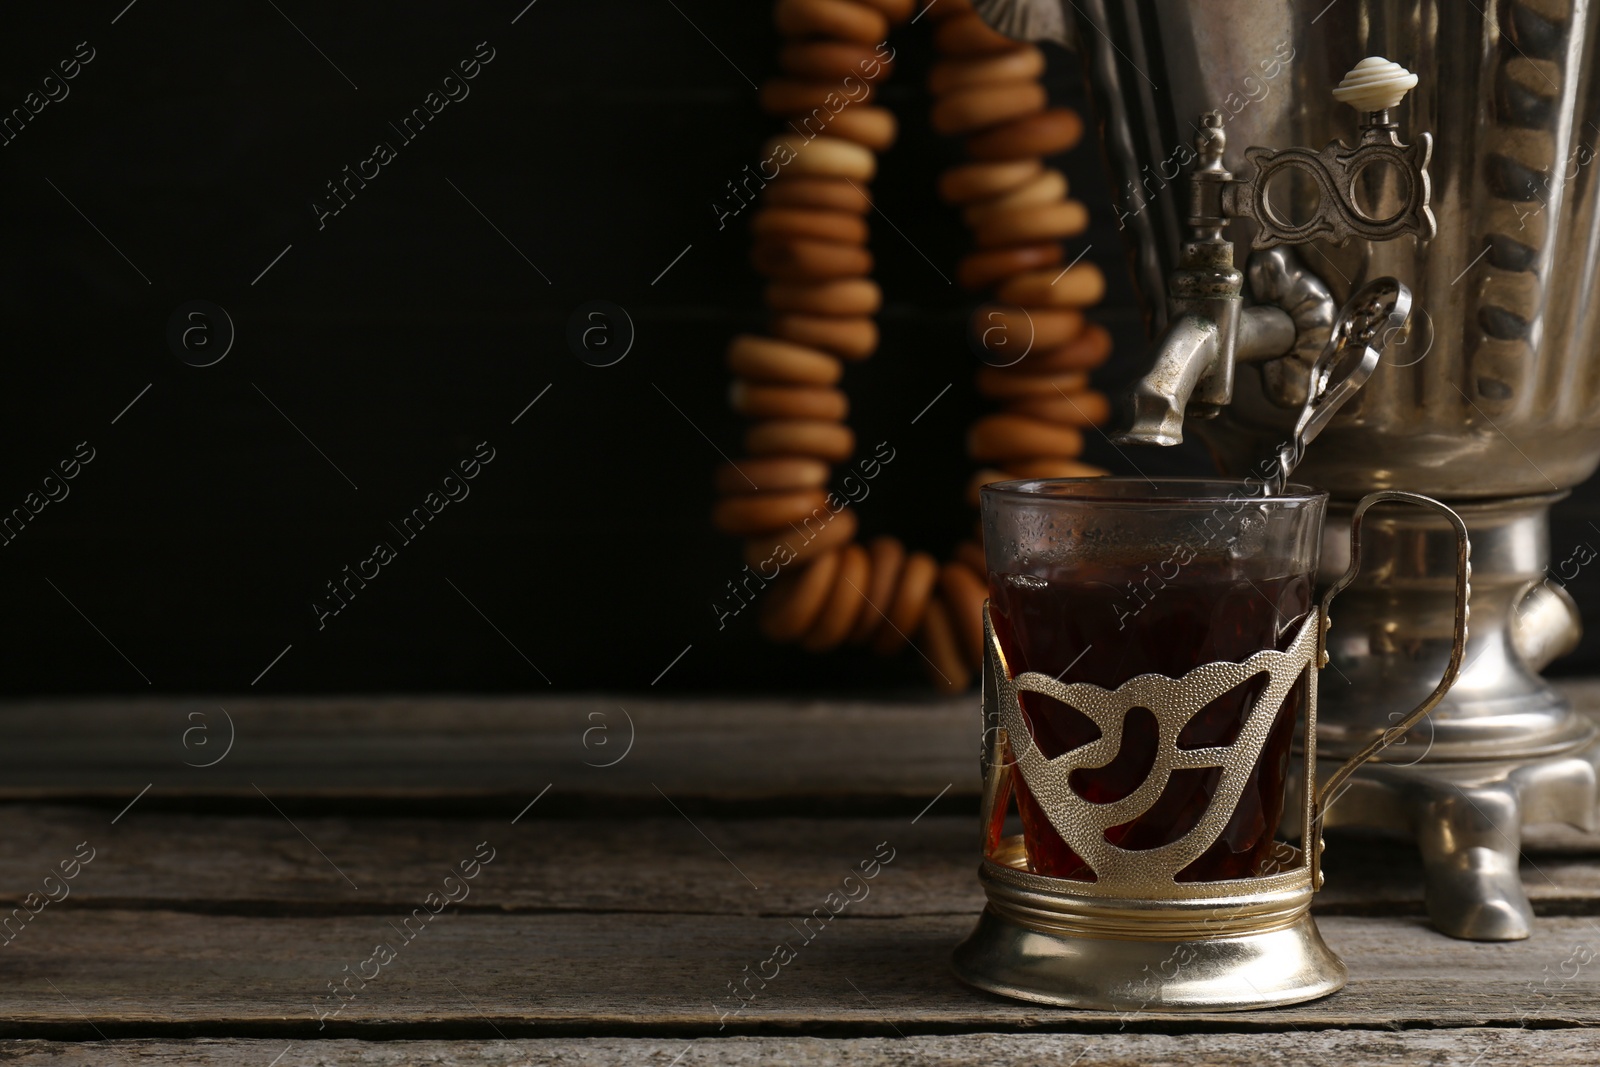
810,237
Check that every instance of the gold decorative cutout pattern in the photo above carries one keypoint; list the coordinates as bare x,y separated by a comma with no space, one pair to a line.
1146,873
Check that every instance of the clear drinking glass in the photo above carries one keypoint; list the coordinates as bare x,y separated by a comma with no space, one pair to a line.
1104,580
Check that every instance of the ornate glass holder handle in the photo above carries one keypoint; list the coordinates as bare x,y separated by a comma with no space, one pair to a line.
1141,924
1328,791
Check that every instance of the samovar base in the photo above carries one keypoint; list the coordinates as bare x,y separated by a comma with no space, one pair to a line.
1467,821
1505,749
1391,637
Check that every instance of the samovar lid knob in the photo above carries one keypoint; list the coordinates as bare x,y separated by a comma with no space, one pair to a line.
1375,84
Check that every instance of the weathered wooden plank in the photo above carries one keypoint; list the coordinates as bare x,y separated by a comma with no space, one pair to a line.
73,974
422,749
422,752
659,861
1325,1048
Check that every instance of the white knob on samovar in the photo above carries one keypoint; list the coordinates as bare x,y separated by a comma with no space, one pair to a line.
1375,84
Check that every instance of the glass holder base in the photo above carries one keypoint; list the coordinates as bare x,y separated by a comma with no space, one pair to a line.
1039,941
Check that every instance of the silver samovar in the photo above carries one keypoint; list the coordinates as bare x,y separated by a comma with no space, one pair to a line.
1479,193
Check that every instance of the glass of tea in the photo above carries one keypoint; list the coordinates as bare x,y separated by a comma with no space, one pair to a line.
1151,651
1103,580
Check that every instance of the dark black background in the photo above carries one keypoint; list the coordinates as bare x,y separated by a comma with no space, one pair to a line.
408,330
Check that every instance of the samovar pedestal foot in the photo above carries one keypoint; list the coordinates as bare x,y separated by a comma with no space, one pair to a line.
1467,819
1470,838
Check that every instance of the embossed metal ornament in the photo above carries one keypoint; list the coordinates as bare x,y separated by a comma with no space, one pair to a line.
1148,873
1372,88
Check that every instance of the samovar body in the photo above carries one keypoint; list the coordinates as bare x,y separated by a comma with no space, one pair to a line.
1495,393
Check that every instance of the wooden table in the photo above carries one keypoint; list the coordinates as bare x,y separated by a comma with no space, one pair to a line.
619,903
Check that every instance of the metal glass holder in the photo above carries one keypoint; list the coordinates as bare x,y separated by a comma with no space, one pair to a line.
1136,938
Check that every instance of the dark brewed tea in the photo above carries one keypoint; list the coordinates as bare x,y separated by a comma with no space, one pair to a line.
1106,632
